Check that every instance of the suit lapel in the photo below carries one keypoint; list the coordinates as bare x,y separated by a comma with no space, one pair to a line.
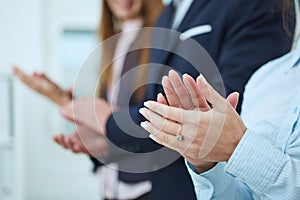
127,82
160,37
168,40
166,17
194,10
160,40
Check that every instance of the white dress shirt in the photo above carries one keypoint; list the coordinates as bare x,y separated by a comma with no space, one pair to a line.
129,33
107,176
182,7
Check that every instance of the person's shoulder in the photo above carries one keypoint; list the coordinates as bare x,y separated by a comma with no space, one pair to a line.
270,69
247,3
246,7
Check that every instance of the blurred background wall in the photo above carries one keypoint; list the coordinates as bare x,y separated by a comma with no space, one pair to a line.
51,36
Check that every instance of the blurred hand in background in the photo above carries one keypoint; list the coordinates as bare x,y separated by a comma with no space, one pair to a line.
40,83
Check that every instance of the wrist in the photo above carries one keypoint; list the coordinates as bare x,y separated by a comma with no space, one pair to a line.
63,99
238,137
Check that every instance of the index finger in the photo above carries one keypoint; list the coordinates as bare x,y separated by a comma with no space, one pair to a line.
172,113
171,95
198,99
180,90
21,75
210,94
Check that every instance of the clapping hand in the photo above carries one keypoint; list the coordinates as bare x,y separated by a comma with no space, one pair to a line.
44,86
83,140
203,134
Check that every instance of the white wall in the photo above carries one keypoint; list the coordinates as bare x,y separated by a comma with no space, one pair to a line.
42,170
30,36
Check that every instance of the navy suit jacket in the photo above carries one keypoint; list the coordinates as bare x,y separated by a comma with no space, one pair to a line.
245,35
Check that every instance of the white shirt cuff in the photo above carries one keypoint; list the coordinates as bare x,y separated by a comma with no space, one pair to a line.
211,183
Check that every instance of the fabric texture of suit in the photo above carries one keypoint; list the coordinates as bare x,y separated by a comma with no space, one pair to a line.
126,85
245,35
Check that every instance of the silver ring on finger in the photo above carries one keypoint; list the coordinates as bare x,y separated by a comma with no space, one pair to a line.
179,136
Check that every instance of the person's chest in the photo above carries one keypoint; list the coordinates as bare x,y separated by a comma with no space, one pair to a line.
272,105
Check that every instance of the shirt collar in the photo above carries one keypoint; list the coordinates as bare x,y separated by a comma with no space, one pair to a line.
176,3
131,24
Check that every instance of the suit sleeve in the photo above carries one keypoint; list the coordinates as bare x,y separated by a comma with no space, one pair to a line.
123,130
255,36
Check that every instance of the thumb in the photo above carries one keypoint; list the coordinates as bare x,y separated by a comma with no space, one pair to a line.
233,99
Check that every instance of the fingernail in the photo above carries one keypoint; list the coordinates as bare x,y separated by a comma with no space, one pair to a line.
142,111
165,78
202,79
144,125
147,104
185,75
152,137
172,72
